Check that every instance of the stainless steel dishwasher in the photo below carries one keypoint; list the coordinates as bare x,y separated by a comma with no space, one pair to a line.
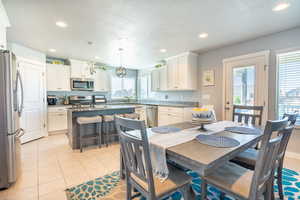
151,112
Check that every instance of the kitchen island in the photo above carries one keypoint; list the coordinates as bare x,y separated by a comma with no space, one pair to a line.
98,110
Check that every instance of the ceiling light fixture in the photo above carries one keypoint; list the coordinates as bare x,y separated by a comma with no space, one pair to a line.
121,71
203,35
97,57
163,50
61,24
52,50
281,6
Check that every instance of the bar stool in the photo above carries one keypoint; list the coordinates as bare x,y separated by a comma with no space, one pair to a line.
83,138
108,128
132,116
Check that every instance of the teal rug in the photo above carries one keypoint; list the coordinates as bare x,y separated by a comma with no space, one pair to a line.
110,187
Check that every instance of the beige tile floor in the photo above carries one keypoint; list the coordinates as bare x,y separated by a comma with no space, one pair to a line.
49,166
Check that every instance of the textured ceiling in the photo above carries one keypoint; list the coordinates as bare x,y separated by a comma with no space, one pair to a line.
147,26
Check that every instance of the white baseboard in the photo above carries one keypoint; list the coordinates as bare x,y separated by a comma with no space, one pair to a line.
292,155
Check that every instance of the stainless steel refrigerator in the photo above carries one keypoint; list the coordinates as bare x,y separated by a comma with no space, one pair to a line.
11,106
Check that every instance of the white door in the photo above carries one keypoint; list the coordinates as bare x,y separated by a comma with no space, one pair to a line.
246,82
33,116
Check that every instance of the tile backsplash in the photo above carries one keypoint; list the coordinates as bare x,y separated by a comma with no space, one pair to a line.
186,96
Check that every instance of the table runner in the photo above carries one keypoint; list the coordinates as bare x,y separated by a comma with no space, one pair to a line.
158,143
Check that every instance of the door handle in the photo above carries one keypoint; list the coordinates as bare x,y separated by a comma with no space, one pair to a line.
227,108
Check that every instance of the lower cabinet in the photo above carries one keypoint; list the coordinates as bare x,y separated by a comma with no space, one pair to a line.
57,120
172,115
142,113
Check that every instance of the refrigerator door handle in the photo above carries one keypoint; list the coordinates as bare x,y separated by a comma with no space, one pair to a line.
19,80
19,133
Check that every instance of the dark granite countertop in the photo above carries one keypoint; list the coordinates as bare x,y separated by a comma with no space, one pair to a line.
101,107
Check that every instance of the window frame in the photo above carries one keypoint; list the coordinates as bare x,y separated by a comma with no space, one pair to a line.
278,54
122,83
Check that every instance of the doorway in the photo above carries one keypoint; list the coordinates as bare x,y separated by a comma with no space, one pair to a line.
33,118
245,82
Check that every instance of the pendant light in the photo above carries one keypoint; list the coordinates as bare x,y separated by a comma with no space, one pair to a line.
121,71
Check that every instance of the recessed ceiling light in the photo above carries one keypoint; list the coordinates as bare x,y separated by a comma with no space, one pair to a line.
203,35
97,57
281,6
163,50
61,24
52,50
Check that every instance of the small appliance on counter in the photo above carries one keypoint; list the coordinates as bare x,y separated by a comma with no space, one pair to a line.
51,99
83,84
79,101
99,99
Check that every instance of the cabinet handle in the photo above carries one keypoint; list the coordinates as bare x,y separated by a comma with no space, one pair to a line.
59,88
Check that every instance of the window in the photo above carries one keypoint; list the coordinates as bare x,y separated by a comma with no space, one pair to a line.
145,86
288,83
123,87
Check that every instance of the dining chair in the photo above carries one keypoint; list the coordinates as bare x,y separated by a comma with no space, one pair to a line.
248,114
138,168
242,183
249,157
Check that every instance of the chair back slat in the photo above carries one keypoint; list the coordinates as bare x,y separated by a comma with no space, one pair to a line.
248,114
267,156
135,150
286,135
292,118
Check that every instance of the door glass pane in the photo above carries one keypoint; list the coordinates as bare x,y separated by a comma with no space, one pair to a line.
243,85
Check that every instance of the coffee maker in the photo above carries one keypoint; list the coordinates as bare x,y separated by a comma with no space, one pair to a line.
51,99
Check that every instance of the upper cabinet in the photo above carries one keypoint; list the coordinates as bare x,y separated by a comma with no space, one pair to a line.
58,77
182,72
80,69
4,23
159,79
101,81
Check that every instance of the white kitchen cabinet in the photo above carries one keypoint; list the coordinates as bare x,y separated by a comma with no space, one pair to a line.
182,72
159,81
4,23
172,115
58,77
80,69
142,113
2,37
163,78
155,79
101,81
57,120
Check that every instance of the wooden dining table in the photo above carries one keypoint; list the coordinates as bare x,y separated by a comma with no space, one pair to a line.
203,158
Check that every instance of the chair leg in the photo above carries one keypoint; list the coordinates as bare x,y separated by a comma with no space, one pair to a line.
128,191
279,180
187,192
203,189
222,196
99,135
80,138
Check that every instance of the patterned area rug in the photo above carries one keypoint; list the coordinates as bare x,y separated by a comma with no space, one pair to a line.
110,187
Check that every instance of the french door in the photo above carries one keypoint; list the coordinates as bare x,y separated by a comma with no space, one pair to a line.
245,82
33,118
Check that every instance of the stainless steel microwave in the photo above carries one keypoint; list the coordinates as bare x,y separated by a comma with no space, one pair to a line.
82,84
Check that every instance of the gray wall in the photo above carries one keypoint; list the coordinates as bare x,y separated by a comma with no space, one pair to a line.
213,60
275,43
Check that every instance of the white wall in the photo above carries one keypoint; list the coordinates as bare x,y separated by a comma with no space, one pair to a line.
25,52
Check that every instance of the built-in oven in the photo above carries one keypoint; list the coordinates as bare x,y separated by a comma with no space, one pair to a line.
82,84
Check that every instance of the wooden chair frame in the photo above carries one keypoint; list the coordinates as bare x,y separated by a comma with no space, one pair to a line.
136,158
245,116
